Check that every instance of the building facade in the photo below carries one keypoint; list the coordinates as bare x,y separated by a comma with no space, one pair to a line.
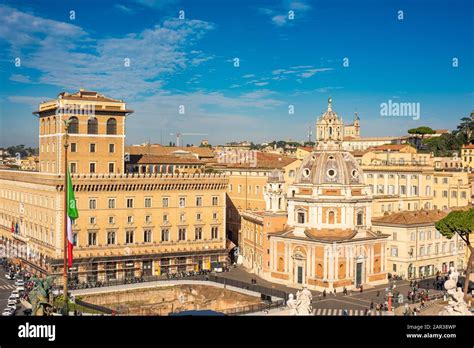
416,248
129,225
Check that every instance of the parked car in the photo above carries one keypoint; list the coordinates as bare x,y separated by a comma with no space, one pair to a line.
13,298
19,282
9,276
20,288
15,293
12,303
8,312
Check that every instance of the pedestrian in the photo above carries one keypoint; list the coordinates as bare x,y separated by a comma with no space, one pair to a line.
324,293
361,289
378,293
372,305
334,291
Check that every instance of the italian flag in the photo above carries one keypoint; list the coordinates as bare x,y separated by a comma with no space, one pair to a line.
72,215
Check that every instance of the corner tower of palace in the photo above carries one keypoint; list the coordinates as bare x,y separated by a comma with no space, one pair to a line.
327,241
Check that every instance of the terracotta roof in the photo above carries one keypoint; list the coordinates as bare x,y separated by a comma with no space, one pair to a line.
82,94
441,131
470,146
154,159
358,153
411,217
306,148
160,150
390,147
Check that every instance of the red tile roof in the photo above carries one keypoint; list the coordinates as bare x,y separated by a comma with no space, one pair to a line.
411,217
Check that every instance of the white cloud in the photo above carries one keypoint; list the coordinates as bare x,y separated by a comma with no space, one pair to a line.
28,100
123,8
81,61
279,13
156,4
261,83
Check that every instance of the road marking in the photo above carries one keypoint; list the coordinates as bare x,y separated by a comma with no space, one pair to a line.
7,287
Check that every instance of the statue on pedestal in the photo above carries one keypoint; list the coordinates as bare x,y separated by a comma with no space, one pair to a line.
304,299
291,303
456,304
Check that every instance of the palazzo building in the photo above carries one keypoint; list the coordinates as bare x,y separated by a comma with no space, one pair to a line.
130,224
327,240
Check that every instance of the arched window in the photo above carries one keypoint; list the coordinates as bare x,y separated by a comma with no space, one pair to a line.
73,125
54,125
360,218
48,127
92,126
111,126
331,217
42,126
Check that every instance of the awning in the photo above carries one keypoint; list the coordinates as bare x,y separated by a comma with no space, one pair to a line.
229,245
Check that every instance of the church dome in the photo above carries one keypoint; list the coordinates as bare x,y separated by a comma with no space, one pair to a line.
329,167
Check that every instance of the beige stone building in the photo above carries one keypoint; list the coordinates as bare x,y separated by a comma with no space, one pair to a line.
467,156
326,241
415,247
129,224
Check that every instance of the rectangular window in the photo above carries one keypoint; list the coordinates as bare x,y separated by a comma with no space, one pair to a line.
111,167
91,147
198,233
92,238
130,219
129,237
215,232
147,236
147,202
198,201
73,167
91,168
92,220
110,238
165,218
111,220
165,202
92,204
73,147
165,235
394,252
182,202
445,194
198,217
182,234
182,217
300,217
403,189
215,200
454,194
111,203
214,216
147,219
111,148
129,202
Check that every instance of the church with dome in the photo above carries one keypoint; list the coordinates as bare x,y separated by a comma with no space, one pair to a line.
326,240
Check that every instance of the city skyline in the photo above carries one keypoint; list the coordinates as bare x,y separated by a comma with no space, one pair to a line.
282,62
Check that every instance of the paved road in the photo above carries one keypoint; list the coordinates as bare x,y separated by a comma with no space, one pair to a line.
353,301
6,287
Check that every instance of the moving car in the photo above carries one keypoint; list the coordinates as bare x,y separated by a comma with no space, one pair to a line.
9,276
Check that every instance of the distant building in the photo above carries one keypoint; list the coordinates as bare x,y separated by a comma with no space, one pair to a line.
467,155
415,247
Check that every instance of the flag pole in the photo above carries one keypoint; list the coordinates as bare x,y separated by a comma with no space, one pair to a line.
65,309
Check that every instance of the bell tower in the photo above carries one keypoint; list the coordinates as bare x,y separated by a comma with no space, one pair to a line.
329,129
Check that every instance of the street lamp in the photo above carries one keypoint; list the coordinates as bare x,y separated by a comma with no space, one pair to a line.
65,309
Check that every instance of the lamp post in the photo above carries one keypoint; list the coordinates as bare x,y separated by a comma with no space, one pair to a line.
65,309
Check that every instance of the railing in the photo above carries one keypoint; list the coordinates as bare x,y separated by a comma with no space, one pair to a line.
260,307
251,287
94,307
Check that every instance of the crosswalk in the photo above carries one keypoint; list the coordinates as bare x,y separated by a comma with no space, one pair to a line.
7,287
351,312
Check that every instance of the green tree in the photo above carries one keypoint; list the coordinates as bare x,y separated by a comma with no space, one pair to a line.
423,130
460,223
465,130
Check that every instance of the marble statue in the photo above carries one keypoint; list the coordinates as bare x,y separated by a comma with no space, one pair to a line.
303,300
291,304
456,304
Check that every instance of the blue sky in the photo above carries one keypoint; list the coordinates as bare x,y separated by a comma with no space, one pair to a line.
283,62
